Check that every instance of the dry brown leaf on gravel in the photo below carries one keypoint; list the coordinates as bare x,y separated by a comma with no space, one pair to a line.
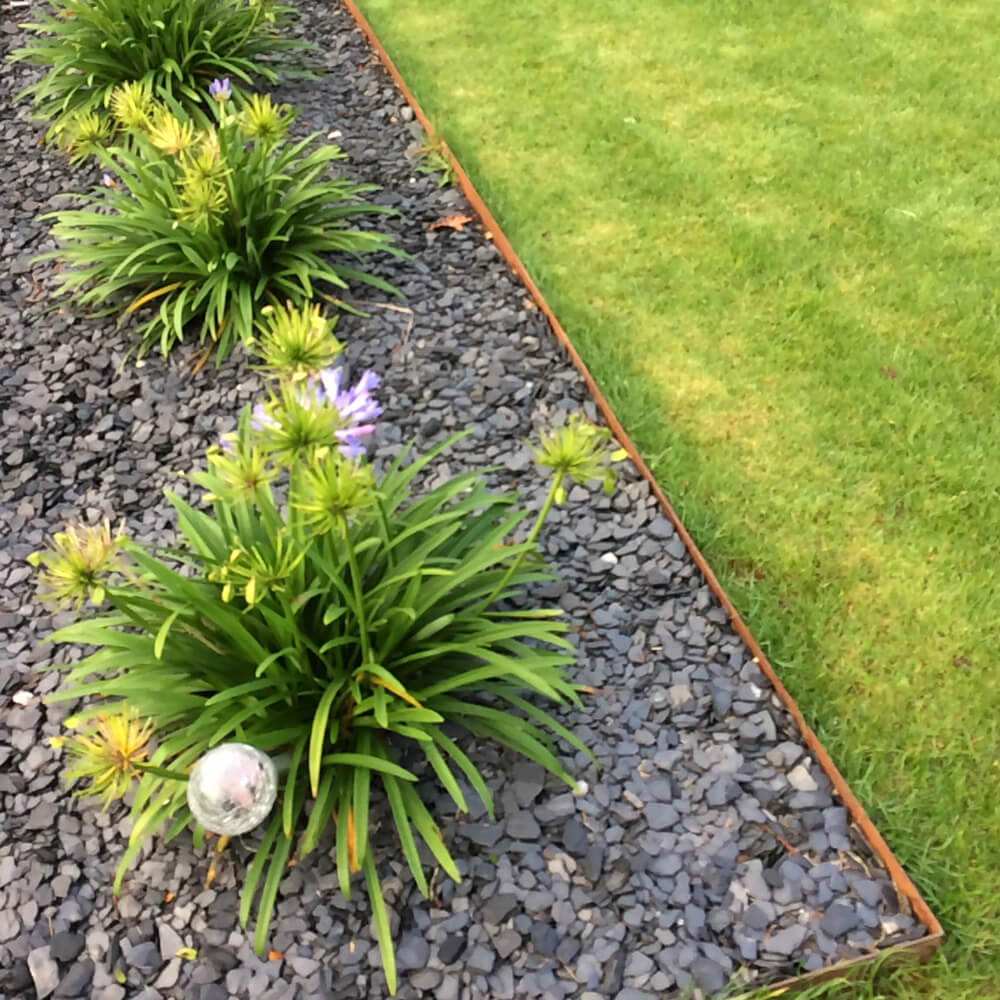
456,222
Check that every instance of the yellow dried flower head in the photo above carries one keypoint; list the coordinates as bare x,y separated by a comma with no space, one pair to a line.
169,134
79,563
132,105
105,753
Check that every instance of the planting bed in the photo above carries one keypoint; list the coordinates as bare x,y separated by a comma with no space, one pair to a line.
709,846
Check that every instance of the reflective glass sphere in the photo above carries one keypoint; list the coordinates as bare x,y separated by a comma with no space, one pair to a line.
232,788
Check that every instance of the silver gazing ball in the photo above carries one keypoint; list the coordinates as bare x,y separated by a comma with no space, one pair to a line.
232,788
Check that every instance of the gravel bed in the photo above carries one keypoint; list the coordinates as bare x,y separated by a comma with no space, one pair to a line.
709,847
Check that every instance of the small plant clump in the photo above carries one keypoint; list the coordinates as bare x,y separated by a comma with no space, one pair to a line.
434,160
350,628
171,47
208,220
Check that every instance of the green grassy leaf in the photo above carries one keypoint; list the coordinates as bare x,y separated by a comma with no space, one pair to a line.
466,766
164,631
443,772
288,800
269,892
428,830
319,818
343,799
256,869
368,762
406,839
319,732
381,921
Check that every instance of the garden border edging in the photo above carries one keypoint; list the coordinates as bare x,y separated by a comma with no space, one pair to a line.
923,948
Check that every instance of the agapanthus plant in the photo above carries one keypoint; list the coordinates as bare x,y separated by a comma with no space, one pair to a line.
341,628
204,222
171,47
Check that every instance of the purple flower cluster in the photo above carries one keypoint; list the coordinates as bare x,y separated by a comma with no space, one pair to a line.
357,409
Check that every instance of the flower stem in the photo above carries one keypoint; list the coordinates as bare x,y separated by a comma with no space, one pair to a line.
532,538
160,772
387,534
366,651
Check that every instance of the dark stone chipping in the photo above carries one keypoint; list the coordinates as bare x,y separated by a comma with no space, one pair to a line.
66,945
76,982
452,947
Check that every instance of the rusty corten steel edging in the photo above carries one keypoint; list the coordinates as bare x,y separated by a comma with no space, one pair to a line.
922,948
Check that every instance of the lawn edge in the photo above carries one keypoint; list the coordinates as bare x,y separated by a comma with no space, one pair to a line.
922,949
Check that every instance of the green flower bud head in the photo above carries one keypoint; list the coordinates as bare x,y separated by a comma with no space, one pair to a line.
84,135
207,163
78,564
264,121
202,201
332,493
294,342
255,572
295,426
579,450
238,470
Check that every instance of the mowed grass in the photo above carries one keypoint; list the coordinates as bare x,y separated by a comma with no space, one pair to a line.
771,228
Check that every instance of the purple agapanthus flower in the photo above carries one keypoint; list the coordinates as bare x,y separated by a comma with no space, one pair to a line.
260,419
350,444
354,405
356,408
220,90
353,415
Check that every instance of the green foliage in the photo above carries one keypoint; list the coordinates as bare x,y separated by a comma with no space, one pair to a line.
211,222
343,628
174,47
434,159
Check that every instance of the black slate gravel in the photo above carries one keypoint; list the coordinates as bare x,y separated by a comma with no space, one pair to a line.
673,870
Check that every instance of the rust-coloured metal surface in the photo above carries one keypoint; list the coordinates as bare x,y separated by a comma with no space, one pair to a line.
921,949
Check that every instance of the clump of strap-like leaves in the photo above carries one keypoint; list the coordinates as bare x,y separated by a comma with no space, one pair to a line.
341,628
172,47
202,221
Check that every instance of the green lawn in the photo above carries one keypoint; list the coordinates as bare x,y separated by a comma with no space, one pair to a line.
770,227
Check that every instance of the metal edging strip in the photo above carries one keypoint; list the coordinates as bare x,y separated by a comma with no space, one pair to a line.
922,948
